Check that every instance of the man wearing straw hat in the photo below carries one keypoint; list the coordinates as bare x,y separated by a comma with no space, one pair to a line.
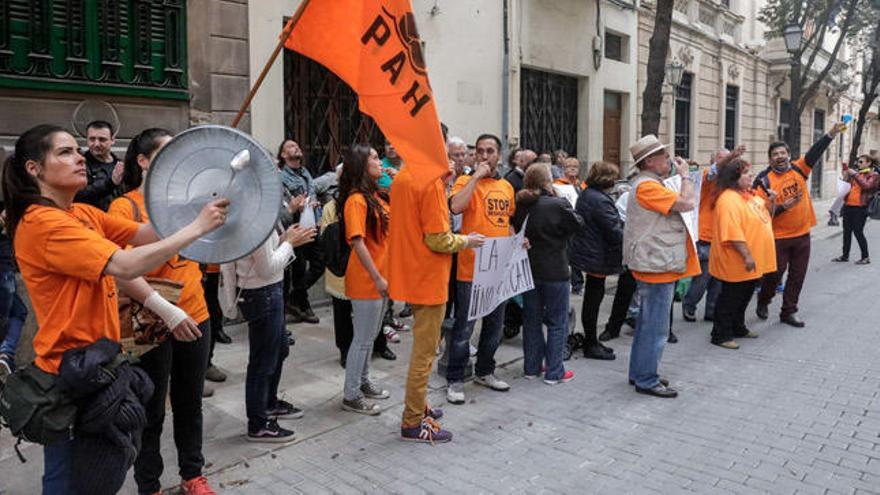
658,251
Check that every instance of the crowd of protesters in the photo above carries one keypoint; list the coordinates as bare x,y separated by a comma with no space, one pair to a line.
582,225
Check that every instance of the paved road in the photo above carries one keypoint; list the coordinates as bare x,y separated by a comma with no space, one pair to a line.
791,412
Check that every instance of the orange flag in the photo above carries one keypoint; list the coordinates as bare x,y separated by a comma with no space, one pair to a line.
373,46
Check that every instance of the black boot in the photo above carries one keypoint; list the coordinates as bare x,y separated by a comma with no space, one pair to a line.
221,337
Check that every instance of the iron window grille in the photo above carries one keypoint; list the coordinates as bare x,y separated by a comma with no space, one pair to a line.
683,116
321,114
731,102
549,104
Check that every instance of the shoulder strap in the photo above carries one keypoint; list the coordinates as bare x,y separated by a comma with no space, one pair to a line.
135,211
762,179
798,169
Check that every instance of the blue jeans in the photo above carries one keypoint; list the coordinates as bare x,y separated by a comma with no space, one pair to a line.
652,330
264,310
13,313
703,283
459,339
57,467
547,303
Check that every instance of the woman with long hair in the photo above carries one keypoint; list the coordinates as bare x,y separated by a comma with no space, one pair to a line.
551,224
364,213
181,362
597,250
864,181
69,254
743,249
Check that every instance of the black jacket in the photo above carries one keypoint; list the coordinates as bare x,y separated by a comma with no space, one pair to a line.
598,247
110,396
7,259
515,177
551,224
100,190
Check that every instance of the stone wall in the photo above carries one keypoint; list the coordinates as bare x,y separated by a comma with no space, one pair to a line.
218,68
219,60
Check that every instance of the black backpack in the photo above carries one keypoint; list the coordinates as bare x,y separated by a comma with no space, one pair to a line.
336,249
34,408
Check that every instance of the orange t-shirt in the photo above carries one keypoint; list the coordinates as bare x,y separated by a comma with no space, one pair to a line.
186,272
488,213
358,283
655,197
854,198
707,196
62,255
418,275
741,217
801,218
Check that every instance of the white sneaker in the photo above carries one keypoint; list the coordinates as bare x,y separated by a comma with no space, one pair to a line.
455,393
492,382
390,334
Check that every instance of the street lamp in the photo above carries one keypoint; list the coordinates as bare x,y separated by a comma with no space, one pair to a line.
675,71
793,36
674,74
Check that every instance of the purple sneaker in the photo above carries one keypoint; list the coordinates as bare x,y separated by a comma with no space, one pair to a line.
429,431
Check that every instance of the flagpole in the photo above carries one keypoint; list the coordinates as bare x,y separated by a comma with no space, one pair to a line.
280,46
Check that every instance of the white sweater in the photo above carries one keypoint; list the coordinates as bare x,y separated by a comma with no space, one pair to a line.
265,266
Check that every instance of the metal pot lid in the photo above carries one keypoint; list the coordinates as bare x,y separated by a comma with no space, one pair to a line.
192,170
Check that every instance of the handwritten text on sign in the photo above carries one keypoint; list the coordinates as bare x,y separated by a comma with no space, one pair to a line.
501,271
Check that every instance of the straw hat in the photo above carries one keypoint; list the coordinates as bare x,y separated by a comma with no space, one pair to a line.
645,147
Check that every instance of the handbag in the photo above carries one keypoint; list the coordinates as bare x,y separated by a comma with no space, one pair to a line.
874,207
140,329
35,409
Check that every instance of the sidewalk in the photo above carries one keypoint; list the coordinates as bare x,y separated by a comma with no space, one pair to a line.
312,380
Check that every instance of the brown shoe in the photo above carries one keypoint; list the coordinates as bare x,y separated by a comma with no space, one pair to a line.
792,320
730,344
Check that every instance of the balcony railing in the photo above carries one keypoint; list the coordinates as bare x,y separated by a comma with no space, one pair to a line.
131,47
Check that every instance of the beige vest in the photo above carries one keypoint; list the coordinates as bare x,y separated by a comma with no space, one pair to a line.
653,243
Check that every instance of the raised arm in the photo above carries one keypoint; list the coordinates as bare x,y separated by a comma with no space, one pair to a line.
686,198
133,263
818,149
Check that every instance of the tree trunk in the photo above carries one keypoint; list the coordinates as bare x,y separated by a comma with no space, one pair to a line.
860,127
652,98
870,84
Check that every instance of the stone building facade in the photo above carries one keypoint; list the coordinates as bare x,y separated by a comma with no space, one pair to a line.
544,74
735,88
193,71
139,64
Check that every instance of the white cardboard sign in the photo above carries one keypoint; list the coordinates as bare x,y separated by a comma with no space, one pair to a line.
501,271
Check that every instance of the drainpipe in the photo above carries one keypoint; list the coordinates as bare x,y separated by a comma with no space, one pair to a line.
505,88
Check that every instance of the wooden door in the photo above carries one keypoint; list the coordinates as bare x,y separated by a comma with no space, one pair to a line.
612,127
